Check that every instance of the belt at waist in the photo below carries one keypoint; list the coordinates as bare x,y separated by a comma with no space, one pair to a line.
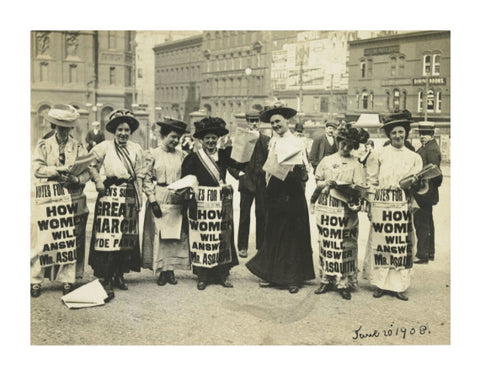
163,184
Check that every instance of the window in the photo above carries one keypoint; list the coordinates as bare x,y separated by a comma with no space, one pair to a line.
401,65
43,72
436,65
363,67
427,65
364,99
404,94
396,100
316,102
112,75
430,101
72,73
371,99
439,102
139,73
420,101
324,104
387,100
393,66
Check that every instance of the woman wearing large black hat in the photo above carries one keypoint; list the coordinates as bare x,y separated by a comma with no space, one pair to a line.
209,165
162,250
285,258
390,271
115,247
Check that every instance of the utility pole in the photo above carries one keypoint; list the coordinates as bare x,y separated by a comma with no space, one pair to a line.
425,101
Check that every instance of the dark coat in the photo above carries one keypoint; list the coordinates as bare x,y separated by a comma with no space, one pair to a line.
192,165
430,153
320,149
92,137
254,176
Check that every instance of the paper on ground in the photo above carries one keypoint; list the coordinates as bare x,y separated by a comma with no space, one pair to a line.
88,295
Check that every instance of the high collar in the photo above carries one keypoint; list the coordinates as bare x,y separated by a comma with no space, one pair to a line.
165,148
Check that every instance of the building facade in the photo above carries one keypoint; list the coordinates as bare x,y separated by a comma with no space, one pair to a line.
403,71
236,74
91,70
178,75
145,42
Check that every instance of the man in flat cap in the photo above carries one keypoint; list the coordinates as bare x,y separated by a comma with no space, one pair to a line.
423,217
324,145
251,185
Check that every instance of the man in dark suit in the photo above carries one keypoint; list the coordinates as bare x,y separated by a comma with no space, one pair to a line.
324,145
423,217
251,185
94,136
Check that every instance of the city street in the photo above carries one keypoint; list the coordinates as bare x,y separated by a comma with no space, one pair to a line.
147,314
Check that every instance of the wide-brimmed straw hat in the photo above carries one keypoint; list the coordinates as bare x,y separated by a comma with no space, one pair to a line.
63,115
277,109
252,114
426,127
210,125
120,116
173,124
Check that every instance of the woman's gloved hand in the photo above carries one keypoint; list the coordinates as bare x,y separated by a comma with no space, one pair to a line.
157,211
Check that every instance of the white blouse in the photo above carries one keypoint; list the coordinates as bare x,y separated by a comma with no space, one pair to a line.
388,165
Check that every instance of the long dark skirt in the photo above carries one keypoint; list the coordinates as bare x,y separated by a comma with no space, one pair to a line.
106,264
285,257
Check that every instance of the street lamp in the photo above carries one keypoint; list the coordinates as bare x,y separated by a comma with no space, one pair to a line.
248,73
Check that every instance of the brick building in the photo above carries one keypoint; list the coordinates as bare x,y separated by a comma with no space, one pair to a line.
91,70
178,75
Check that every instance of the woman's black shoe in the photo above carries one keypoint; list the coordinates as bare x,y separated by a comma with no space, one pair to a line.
162,279
120,283
201,285
35,290
171,278
67,288
345,293
322,289
293,289
378,293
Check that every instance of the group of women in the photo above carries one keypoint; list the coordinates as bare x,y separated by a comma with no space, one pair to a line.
123,173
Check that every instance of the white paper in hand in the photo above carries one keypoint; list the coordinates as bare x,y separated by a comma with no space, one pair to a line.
243,144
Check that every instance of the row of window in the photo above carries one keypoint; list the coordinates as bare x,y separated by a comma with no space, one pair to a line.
179,74
397,100
179,93
183,54
235,63
431,66
224,39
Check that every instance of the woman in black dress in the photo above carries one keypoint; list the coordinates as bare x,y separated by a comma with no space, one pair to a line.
209,165
285,259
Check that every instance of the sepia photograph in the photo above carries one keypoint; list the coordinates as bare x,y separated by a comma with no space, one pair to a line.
240,187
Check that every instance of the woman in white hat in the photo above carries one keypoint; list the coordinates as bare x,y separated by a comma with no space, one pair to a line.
52,161
209,164
164,252
391,244
285,258
115,247
337,221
